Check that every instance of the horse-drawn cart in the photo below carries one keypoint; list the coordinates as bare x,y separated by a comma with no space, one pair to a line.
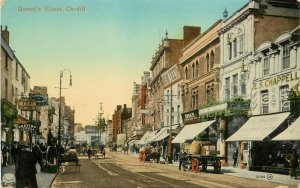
197,160
148,154
68,157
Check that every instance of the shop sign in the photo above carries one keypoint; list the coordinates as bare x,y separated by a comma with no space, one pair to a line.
238,105
26,104
278,80
175,131
190,117
40,99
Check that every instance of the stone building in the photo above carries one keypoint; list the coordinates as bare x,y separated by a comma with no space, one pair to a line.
120,114
15,83
200,92
241,34
139,124
167,55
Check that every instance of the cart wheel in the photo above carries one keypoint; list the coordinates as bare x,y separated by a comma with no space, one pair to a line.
204,165
195,165
217,166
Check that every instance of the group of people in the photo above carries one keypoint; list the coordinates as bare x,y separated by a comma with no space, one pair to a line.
25,158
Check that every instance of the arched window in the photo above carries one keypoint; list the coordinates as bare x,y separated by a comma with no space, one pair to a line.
212,60
207,63
194,99
193,70
197,69
186,73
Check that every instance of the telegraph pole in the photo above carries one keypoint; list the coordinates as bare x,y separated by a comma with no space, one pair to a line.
59,109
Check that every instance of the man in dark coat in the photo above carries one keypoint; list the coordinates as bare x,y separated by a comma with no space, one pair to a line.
235,156
25,167
14,152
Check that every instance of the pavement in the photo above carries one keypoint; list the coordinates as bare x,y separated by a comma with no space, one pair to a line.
44,179
255,175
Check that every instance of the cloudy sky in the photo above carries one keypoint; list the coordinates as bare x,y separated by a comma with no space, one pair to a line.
107,44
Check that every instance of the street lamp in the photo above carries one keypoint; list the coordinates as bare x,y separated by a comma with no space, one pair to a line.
59,112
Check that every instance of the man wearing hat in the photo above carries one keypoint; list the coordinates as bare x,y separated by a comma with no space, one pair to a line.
25,167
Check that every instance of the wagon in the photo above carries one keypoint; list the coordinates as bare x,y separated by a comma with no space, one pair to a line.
148,154
69,156
197,161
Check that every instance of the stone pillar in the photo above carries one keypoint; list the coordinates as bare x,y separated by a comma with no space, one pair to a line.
222,141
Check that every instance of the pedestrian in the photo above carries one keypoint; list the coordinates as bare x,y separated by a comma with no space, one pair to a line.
89,152
14,151
37,153
293,158
182,159
235,156
174,154
4,153
103,153
25,167
158,150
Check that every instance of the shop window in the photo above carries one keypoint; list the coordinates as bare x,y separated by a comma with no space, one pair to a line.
265,102
284,95
286,57
266,65
227,88
235,85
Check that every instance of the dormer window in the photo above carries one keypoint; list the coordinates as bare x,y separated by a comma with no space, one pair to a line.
286,57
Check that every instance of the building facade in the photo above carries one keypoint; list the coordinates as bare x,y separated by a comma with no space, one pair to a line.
240,35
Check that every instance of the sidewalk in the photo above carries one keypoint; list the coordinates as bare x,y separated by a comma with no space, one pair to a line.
44,180
255,175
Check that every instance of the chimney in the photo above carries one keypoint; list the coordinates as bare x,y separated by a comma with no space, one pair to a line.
124,106
5,34
190,33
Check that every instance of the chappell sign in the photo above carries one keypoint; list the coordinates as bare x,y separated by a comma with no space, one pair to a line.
277,80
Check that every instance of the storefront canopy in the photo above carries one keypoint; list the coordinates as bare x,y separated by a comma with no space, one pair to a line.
142,140
191,131
291,133
258,128
163,133
152,135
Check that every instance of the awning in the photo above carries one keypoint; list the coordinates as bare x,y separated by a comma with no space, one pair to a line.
142,140
291,133
191,131
151,136
163,133
258,128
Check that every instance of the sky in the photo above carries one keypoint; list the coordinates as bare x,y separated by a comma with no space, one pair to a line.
107,45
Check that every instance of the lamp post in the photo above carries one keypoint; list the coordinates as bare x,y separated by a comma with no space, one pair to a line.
59,112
